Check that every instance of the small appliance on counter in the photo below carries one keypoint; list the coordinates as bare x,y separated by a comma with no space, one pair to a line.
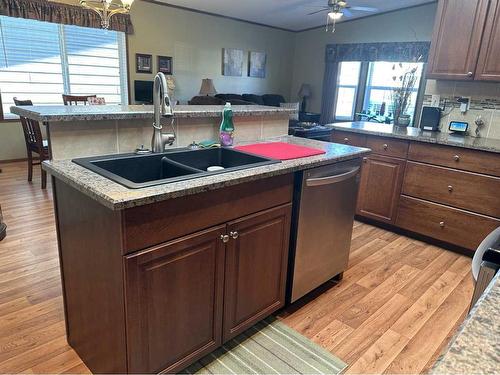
458,127
311,130
485,264
322,222
430,118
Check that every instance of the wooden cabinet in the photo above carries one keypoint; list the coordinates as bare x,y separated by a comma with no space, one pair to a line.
397,148
456,41
174,302
256,264
488,66
347,138
380,187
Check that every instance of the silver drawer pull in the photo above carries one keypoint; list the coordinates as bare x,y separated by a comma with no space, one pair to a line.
442,224
346,139
234,235
456,158
450,188
385,146
224,238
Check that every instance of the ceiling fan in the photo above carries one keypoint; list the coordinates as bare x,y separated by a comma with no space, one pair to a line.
337,9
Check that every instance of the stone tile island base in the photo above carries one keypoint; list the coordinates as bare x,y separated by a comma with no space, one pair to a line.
83,138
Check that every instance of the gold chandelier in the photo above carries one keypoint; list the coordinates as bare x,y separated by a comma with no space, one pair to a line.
107,8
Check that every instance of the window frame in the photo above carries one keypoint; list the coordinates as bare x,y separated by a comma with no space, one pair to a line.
356,95
123,66
362,90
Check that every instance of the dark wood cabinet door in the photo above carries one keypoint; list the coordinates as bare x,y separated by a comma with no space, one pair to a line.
456,39
488,66
256,266
174,302
380,187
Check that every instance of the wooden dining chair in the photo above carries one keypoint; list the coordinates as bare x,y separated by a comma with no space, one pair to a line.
76,99
34,143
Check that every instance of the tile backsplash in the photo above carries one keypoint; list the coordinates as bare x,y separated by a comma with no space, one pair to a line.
485,102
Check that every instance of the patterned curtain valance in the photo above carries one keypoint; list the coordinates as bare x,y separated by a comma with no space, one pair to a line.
390,51
43,10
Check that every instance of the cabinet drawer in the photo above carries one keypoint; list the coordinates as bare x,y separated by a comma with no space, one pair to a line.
458,227
388,146
456,157
347,138
470,191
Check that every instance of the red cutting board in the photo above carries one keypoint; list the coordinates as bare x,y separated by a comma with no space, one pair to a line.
280,150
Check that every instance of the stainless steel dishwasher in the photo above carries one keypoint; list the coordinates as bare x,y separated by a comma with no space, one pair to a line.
325,203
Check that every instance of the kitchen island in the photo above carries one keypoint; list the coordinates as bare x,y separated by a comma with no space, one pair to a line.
155,278
82,131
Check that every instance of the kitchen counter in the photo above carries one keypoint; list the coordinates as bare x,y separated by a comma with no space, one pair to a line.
116,196
475,349
416,134
60,113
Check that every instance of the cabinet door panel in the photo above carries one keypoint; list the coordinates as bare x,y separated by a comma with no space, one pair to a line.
380,187
488,67
174,302
256,265
457,38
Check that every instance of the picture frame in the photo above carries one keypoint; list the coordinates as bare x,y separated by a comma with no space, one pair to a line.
232,62
143,63
165,65
257,62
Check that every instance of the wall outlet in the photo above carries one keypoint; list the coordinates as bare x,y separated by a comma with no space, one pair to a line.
436,100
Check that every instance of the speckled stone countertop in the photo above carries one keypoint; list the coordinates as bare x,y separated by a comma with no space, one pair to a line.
130,112
116,196
475,349
416,134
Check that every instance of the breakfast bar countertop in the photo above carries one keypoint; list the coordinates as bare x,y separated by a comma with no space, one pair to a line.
62,113
475,349
117,197
416,134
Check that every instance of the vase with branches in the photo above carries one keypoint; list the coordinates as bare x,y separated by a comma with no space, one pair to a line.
405,77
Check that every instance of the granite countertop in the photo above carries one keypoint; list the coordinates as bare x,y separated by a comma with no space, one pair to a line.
116,196
416,134
475,349
129,112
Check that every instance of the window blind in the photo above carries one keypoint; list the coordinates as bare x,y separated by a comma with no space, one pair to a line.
41,60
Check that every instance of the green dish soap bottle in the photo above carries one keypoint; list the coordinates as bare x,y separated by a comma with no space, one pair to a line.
226,131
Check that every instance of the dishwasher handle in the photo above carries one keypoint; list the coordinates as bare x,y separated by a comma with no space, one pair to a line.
332,179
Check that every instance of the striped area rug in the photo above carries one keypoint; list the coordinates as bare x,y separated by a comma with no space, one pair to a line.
269,347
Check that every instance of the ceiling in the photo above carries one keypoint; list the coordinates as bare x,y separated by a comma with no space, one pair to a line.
286,14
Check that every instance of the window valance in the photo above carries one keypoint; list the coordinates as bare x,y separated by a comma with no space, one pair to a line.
43,10
386,51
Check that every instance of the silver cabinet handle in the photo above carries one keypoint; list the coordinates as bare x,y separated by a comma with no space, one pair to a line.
450,188
385,146
456,158
442,224
332,179
234,235
470,74
224,238
346,139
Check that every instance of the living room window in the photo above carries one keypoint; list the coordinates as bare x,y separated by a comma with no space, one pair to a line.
366,88
42,60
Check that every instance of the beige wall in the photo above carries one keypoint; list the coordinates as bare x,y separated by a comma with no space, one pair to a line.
195,42
414,24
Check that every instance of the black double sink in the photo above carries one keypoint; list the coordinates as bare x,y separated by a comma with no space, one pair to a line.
139,171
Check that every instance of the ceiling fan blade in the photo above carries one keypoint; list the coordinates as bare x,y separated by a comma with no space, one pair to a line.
364,9
318,11
347,12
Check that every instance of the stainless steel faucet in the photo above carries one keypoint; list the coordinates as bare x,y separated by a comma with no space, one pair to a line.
162,108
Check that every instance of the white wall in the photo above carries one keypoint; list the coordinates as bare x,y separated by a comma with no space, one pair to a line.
195,42
413,24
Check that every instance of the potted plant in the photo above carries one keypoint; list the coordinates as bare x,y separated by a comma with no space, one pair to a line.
401,93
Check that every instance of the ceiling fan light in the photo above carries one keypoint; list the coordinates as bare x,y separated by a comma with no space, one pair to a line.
335,15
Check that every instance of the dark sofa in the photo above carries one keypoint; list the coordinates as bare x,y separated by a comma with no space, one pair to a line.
236,99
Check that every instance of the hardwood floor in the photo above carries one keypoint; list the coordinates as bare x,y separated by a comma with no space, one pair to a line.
397,307
398,304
